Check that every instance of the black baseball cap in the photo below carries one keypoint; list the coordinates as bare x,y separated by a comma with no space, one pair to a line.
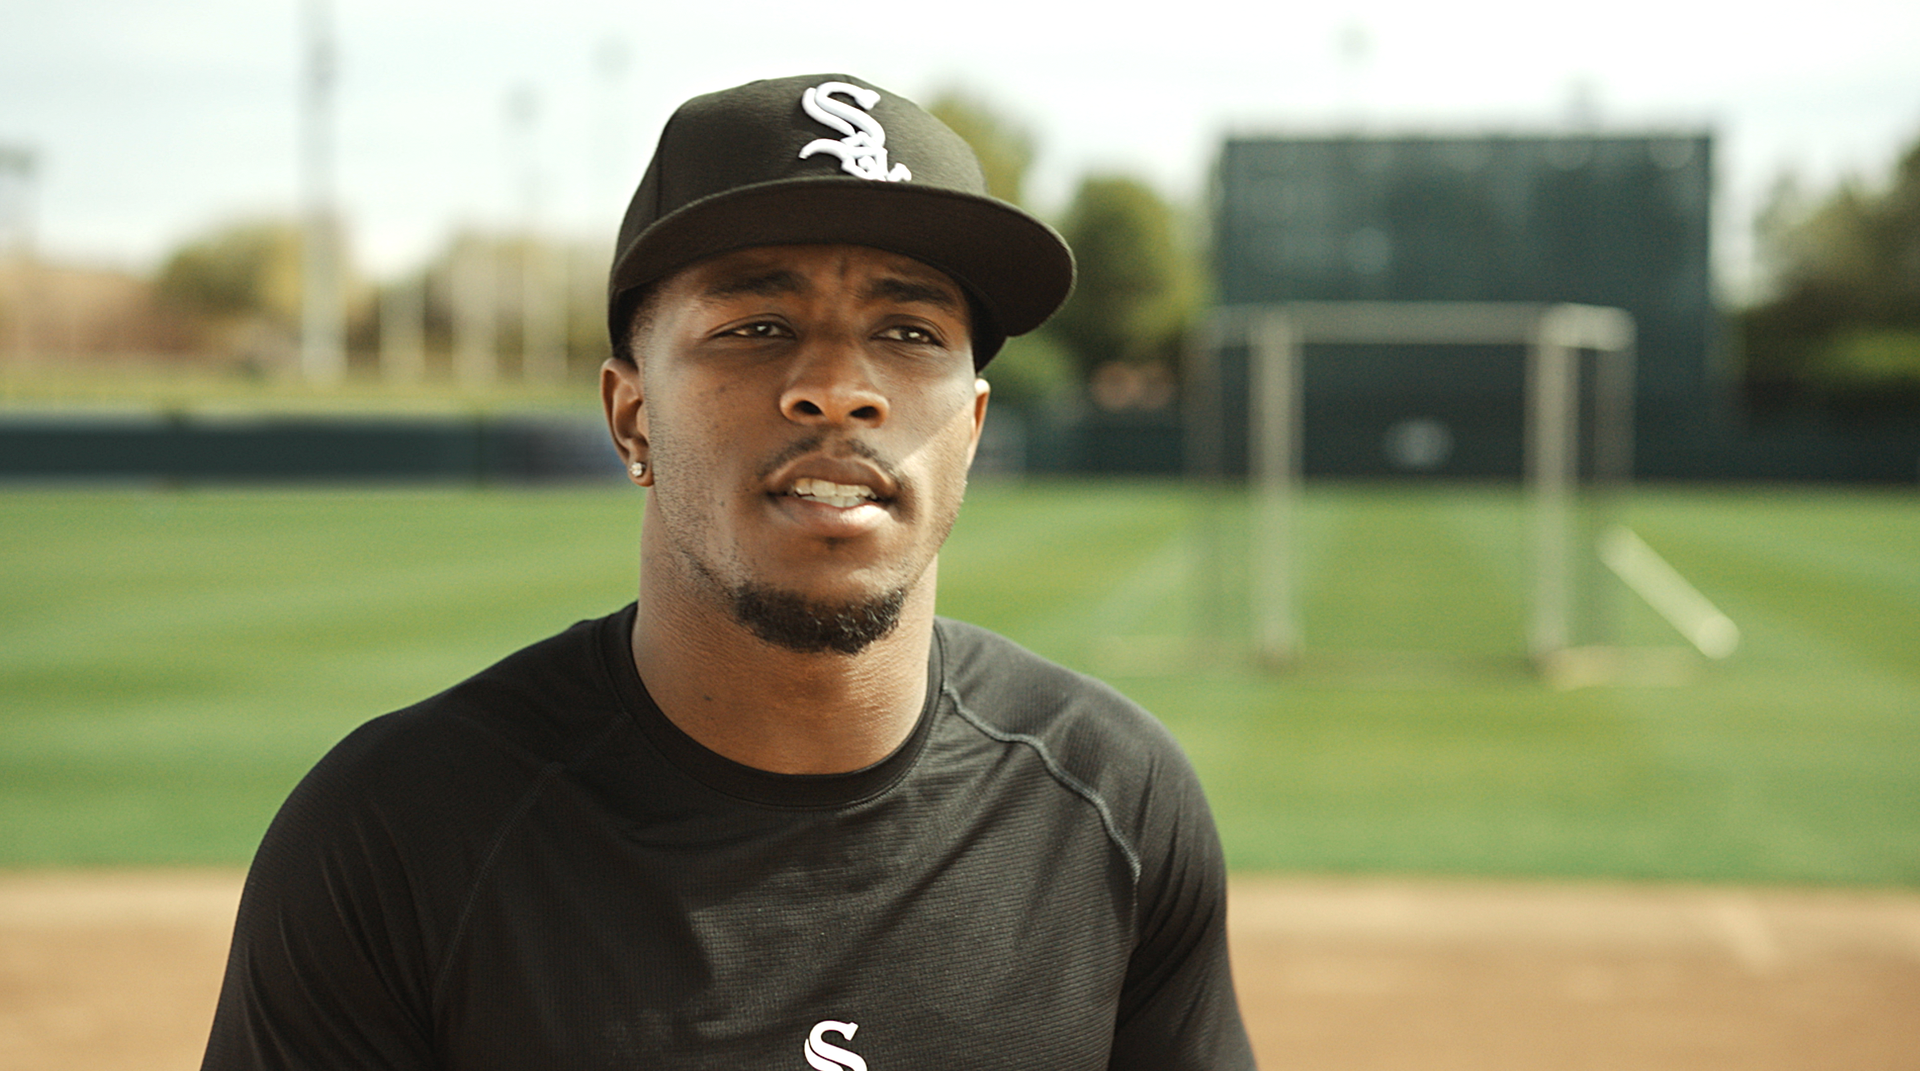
830,159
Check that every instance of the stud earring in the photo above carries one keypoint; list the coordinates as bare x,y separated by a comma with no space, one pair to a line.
637,470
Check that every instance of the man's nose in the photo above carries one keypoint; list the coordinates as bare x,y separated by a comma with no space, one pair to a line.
832,382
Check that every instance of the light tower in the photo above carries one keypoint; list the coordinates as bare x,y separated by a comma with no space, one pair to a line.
323,354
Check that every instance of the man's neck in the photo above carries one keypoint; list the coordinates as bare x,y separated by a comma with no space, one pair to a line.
780,710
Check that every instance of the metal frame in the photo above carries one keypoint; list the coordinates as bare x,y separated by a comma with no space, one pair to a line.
1554,334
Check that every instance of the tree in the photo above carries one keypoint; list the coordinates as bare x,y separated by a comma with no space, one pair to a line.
240,269
1031,368
1845,324
1139,284
1004,147
241,284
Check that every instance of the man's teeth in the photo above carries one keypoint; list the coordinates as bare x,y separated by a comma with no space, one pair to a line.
833,494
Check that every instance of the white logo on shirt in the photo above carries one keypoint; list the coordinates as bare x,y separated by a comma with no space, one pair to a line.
863,147
827,1057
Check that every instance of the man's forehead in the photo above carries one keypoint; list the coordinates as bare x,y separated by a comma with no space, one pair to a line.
802,268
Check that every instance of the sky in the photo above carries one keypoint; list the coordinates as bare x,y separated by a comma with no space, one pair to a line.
154,121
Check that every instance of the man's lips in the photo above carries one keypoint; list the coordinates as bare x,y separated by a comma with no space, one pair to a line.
827,492
845,482
829,510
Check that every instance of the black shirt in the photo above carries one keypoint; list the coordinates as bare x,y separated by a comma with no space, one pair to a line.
536,869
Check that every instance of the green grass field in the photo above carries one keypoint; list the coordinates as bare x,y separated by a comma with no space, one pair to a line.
171,661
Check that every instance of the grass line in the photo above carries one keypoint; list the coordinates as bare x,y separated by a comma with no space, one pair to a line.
170,663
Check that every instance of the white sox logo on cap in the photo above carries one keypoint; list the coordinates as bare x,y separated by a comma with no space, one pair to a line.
862,149
806,159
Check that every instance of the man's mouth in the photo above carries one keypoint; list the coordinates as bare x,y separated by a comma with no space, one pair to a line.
826,492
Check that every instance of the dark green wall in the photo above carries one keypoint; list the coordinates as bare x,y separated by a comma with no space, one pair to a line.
192,449
1600,220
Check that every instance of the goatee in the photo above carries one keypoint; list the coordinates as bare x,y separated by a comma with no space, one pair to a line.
796,623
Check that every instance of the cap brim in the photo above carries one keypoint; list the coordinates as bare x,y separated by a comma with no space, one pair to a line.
1015,265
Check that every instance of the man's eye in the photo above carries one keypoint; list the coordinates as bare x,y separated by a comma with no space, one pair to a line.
759,329
911,333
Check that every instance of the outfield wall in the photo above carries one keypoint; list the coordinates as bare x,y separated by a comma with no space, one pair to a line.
191,447
520,449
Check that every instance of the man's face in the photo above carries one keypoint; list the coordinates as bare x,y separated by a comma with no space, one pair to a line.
809,414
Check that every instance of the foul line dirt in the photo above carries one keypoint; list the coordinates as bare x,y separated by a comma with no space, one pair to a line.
109,970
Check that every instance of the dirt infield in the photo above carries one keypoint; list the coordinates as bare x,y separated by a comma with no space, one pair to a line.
104,971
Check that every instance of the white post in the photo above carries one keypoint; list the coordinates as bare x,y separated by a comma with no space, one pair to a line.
1274,367
1551,474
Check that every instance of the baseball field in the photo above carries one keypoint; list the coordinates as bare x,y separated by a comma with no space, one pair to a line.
1442,859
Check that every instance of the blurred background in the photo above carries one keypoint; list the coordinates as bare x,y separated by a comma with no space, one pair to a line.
1485,433
300,313
416,201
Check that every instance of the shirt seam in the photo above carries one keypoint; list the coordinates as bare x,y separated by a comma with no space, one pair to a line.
549,772
1059,773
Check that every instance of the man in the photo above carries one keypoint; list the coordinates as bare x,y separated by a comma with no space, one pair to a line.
775,814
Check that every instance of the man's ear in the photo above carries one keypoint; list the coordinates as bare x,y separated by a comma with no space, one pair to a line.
981,390
623,398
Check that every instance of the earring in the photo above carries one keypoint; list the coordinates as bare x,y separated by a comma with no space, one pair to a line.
637,470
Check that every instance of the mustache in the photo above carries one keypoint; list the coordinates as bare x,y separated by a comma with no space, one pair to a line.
817,444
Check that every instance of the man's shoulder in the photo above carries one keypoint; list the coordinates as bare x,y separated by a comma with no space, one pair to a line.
434,780
980,661
543,695
1091,740
1006,689
538,706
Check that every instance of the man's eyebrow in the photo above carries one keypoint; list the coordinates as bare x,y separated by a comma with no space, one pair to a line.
763,284
896,288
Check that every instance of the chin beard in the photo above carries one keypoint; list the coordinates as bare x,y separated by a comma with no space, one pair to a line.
797,623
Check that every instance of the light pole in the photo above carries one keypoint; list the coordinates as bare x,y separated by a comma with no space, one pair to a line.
16,245
323,355
542,359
